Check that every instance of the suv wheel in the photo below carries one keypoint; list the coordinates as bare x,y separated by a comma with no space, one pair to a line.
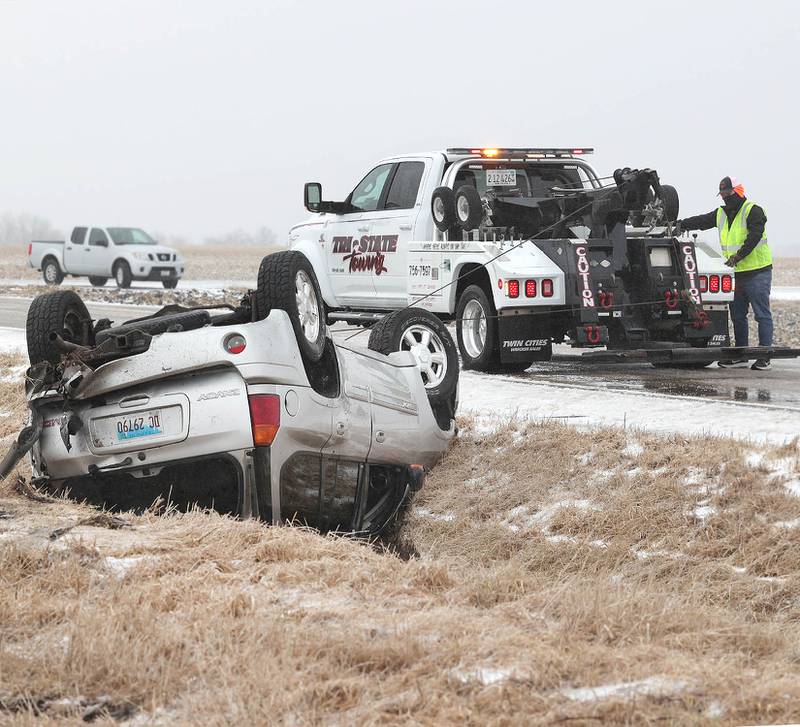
428,340
97,281
122,274
286,281
51,272
61,312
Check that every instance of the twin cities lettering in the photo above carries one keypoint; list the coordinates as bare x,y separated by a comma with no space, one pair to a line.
367,253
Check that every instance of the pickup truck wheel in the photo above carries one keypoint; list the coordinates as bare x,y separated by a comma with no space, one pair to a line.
476,330
286,281
122,274
96,281
62,312
469,208
443,208
170,283
428,340
51,272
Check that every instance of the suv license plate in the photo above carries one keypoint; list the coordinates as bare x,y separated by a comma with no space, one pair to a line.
137,426
501,177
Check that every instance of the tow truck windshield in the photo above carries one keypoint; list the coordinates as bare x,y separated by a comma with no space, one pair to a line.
130,236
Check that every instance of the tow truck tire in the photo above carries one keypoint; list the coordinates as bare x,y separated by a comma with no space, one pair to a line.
468,207
97,281
122,274
427,338
670,202
286,281
51,271
63,312
443,208
476,330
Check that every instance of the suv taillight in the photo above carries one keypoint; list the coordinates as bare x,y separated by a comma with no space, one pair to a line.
265,417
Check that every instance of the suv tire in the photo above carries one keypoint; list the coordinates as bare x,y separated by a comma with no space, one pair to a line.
469,208
170,283
427,338
97,281
670,202
51,271
122,274
63,312
286,281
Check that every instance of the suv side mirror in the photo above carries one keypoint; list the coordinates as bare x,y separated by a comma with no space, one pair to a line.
312,196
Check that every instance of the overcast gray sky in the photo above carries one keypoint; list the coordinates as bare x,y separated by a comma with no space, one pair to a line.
199,117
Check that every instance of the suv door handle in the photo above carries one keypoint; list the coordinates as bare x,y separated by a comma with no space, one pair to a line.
364,229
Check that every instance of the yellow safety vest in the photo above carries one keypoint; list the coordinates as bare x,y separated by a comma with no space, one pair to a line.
733,235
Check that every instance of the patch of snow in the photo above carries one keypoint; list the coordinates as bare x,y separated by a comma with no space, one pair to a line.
585,458
738,569
120,566
15,374
633,471
487,675
12,340
788,524
652,686
647,554
715,710
633,449
754,459
446,517
703,512
793,487
694,476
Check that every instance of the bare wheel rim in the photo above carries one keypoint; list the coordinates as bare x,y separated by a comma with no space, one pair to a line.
307,306
73,327
473,328
429,352
463,208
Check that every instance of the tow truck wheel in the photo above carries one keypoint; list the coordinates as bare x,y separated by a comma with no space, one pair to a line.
62,312
476,330
670,202
428,340
443,208
286,281
469,208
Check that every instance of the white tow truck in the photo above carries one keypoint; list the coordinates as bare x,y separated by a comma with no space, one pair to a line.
123,253
523,248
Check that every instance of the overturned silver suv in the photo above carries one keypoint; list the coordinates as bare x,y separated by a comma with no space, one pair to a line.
252,410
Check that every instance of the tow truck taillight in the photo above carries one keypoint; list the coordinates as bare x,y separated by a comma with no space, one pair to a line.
530,288
513,288
727,283
265,417
547,288
703,283
713,283
235,343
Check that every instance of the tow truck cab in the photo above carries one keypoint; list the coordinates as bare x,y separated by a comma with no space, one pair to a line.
529,242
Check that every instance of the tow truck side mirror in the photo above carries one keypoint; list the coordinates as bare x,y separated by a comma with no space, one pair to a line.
312,196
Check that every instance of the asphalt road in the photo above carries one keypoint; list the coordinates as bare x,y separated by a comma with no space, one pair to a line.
778,388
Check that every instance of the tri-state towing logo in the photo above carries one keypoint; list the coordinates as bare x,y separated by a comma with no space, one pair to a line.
367,253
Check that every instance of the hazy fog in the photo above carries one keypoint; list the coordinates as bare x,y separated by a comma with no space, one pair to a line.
196,118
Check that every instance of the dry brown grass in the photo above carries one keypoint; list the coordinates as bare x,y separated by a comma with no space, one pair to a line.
549,559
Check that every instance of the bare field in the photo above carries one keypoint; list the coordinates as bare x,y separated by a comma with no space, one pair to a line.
553,575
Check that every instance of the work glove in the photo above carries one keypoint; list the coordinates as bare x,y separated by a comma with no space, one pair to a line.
733,261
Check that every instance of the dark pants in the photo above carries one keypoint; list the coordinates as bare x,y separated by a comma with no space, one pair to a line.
752,290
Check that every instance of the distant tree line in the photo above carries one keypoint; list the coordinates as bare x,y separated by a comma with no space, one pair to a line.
20,229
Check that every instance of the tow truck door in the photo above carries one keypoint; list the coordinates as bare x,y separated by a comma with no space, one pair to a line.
393,226
347,243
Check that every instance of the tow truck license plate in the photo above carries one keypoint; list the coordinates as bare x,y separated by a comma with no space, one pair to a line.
501,177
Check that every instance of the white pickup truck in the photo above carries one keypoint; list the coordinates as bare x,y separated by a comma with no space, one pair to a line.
123,253
522,248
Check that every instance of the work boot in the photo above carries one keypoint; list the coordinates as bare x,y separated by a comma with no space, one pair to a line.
761,364
733,363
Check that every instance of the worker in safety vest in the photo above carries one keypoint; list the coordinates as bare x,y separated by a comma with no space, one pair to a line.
743,238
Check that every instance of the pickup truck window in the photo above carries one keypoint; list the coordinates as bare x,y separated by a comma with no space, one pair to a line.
367,194
523,180
78,235
98,237
130,236
405,185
